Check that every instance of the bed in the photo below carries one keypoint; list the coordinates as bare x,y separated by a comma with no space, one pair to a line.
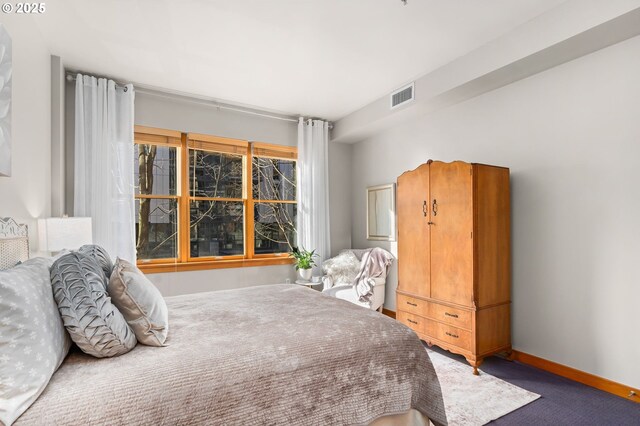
273,355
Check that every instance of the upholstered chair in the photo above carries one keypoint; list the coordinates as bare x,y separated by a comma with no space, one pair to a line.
340,273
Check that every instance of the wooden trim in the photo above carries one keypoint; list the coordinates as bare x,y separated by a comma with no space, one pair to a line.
155,136
272,255
217,139
249,214
259,201
158,197
624,391
261,149
389,313
184,219
236,200
217,144
147,139
204,259
216,148
149,268
157,131
162,261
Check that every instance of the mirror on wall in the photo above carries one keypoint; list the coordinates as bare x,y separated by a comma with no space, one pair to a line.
381,212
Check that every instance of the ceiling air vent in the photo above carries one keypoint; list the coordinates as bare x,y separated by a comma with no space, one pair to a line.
402,96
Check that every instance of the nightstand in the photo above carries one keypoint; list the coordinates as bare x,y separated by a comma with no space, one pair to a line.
308,284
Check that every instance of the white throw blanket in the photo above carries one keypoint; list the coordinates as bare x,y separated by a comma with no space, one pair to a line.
375,263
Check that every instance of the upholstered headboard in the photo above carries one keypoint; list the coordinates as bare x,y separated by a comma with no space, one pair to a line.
14,243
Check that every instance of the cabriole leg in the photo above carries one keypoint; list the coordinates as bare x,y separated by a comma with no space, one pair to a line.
475,363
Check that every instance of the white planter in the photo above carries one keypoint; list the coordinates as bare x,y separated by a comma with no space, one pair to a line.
305,274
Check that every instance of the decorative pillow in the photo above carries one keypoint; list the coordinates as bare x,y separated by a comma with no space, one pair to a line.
343,268
93,322
33,341
140,303
101,256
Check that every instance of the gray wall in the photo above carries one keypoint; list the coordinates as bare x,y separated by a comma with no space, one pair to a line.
197,116
571,136
26,195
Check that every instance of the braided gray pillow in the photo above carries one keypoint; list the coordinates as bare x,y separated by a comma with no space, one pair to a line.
101,256
93,322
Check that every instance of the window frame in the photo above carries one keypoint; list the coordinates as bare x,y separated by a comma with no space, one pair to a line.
266,150
168,138
184,142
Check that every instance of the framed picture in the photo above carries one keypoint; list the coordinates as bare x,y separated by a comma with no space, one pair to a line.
5,102
381,212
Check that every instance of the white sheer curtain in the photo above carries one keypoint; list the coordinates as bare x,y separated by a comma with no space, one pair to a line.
104,187
313,188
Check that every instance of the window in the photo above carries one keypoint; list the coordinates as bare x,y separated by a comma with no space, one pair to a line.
274,199
210,202
156,158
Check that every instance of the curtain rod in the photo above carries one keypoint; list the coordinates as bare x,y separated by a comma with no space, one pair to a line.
141,88
72,77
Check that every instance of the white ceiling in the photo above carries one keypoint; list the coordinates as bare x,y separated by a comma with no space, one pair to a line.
322,58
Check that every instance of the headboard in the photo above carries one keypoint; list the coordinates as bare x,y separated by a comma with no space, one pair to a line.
14,243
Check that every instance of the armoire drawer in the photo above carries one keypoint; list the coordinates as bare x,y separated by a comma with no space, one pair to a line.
432,310
453,316
414,322
446,333
412,305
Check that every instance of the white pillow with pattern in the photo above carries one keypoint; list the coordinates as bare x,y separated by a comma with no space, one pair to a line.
33,340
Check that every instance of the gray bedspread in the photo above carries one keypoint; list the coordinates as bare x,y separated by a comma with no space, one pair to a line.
272,355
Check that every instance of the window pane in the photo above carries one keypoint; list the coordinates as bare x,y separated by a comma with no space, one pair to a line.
275,227
214,174
217,228
156,228
155,169
274,179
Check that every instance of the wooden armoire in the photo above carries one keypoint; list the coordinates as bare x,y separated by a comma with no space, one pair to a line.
454,270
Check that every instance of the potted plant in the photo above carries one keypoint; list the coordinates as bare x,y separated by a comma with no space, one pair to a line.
304,261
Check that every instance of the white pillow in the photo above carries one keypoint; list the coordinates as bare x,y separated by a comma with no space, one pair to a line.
140,302
33,341
342,269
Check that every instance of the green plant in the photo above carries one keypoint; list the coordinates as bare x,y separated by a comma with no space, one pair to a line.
304,258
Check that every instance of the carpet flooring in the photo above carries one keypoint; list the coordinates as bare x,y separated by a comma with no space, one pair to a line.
562,401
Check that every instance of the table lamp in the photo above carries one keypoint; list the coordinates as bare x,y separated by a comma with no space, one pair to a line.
59,233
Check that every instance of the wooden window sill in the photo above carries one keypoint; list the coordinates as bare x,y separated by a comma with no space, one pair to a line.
155,268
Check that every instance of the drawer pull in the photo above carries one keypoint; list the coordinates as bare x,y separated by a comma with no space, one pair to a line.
412,304
447,314
455,336
412,321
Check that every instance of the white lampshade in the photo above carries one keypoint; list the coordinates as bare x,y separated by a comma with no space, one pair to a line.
59,233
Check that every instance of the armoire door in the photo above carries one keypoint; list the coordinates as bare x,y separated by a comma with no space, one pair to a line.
451,217
413,231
